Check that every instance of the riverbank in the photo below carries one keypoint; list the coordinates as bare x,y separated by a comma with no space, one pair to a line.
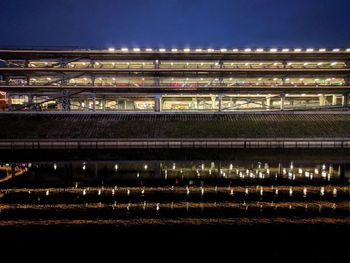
113,131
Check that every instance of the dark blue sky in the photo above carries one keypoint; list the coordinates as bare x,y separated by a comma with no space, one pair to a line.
175,23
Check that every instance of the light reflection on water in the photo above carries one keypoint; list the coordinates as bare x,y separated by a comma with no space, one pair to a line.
168,189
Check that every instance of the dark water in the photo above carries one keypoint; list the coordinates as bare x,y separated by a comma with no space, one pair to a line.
248,197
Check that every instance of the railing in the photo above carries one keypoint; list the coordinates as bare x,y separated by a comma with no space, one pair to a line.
174,85
175,143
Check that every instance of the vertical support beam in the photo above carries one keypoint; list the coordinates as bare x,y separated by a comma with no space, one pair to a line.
268,103
156,76
157,81
157,103
30,101
334,100
103,103
346,101
94,102
65,101
322,100
213,99
283,97
195,103
9,102
220,102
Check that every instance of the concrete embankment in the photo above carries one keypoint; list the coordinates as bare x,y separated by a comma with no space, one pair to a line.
109,131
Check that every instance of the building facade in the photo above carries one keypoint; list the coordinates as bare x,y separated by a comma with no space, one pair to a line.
174,80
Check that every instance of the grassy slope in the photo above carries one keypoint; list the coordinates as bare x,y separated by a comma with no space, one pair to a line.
176,126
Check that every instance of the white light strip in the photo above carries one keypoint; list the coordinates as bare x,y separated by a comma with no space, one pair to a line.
273,50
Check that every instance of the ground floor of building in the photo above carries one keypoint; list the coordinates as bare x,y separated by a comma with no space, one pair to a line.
169,102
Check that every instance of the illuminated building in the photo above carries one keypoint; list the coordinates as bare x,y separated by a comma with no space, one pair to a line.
170,80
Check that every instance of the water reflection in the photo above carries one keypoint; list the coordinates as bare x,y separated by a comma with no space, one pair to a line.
181,190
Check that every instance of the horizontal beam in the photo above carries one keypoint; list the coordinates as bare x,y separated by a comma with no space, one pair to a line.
284,71
186,90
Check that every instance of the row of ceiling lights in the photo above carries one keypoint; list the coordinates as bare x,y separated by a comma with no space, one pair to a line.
187,50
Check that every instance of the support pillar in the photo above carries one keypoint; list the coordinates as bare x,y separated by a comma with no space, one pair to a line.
157,103
30,101
157,81
268,103
103,103
9,102
213,99
283,96
322,101
195,103
65,101
346,101
334,100
94,103
220,102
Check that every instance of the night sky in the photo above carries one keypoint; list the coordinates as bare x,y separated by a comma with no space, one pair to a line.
175,23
